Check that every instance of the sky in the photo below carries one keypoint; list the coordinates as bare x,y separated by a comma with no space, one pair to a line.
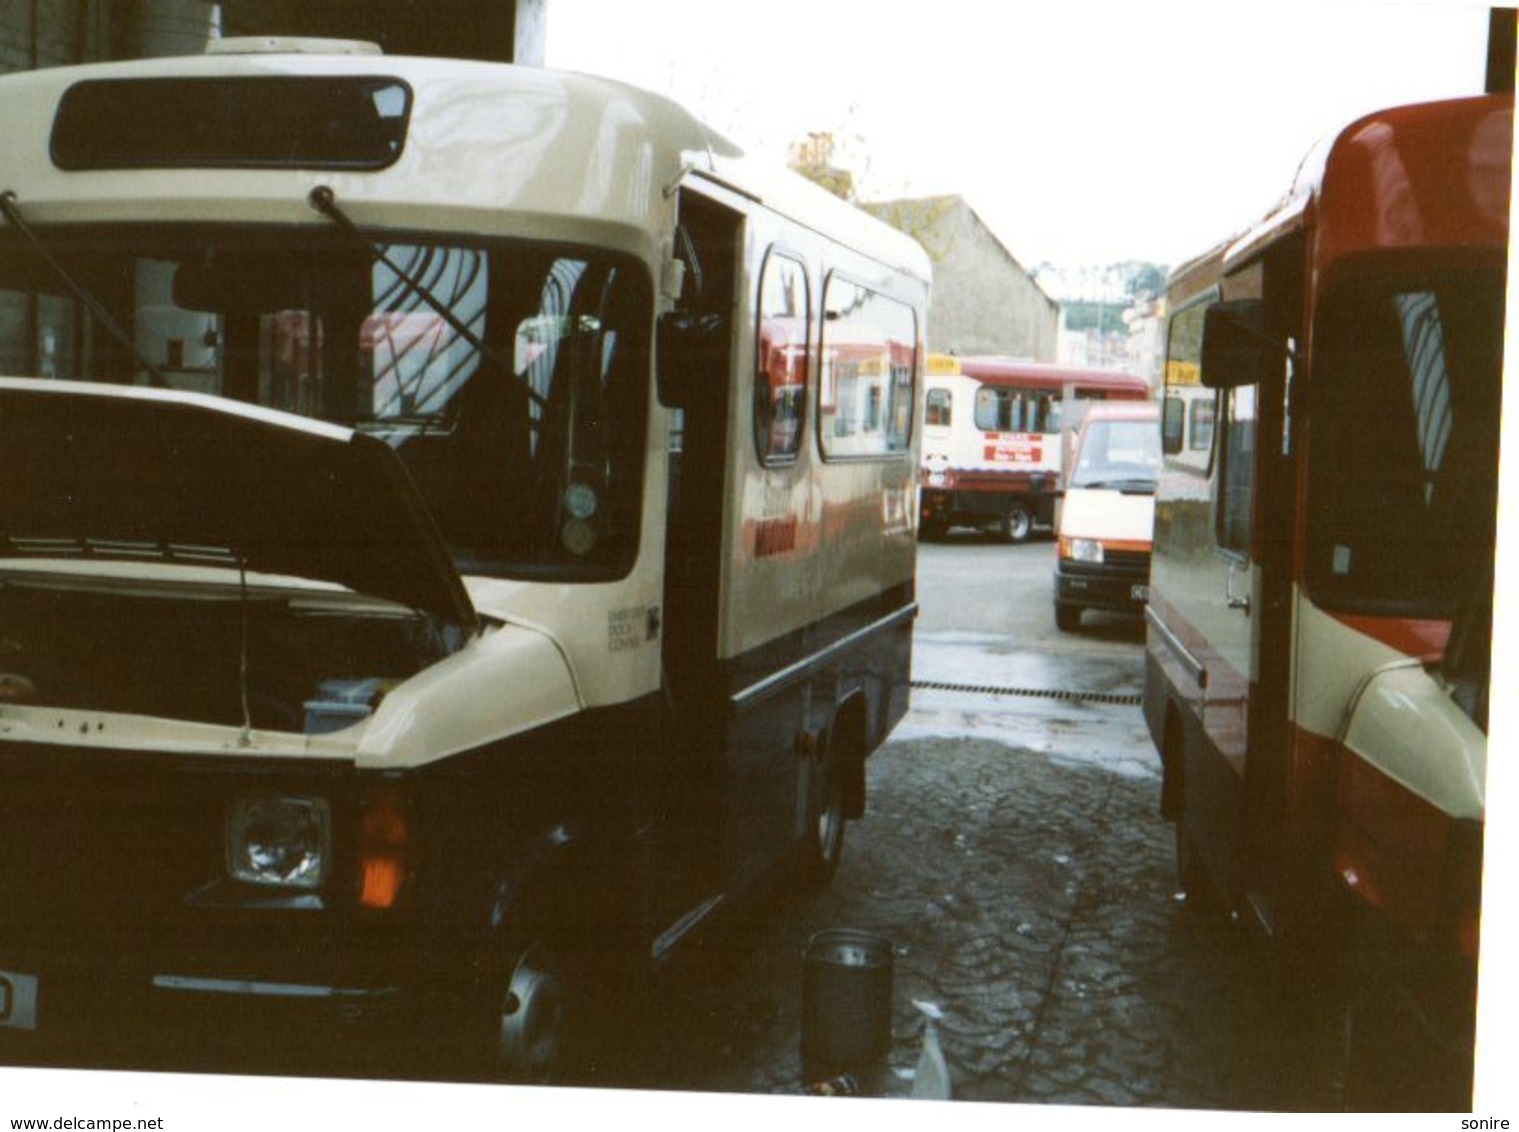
1083,133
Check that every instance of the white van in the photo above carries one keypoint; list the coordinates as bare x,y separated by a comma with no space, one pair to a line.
1106,522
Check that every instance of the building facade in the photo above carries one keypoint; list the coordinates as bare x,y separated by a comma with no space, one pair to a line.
985,301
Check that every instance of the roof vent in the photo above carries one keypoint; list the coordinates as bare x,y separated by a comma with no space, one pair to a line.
290,45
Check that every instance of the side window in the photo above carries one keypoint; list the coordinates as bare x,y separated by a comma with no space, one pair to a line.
1200,432
1236,473
1189,407
867,386
1000,408
1173,423
936,409
780,369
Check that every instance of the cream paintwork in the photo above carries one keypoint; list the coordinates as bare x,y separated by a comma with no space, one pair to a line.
486,153
506,681
765,597
1399,716
497,150
1388,710
1107,516
961,447
1333,660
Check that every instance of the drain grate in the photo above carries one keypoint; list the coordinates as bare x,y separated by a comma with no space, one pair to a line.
1127,699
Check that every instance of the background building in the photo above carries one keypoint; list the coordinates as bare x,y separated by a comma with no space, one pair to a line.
985,301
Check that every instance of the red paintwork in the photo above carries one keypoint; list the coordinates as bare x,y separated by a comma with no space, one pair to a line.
1389,181
1112,384
1423,639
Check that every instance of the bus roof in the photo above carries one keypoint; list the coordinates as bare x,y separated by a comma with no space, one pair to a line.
1036,375
488,147
1434,174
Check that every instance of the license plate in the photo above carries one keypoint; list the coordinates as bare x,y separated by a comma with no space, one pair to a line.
1140,593
18,1001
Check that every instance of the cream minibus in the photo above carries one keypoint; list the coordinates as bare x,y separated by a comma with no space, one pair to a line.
421,607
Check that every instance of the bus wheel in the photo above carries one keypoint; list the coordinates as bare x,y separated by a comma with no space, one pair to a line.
1067,617
1017,524
824,844
530,1035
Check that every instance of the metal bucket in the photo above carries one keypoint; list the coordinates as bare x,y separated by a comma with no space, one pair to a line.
846,1001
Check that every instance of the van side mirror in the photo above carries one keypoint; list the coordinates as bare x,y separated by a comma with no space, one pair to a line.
688,349
1235,348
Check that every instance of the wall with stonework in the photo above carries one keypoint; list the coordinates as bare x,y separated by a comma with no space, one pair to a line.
984,300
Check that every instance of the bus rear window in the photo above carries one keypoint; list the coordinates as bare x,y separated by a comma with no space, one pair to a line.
273,121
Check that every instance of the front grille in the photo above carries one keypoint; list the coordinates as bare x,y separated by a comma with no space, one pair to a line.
1119,565
1129,562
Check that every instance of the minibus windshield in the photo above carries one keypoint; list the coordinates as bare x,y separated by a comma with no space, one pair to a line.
1403,449
1119,455
510,376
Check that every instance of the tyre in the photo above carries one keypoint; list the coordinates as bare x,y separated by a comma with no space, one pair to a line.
1017,524
532,1024
824,844
1067,617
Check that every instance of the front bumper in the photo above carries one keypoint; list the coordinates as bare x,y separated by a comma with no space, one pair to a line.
308,1008
1120,586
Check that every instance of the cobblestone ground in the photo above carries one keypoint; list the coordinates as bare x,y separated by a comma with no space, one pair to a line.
1029,896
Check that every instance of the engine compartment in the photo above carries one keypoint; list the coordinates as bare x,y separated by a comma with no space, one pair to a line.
279,661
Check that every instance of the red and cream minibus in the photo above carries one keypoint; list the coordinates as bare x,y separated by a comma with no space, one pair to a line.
995,438
1320,592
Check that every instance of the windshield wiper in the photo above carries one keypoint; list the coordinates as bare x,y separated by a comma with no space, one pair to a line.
1129,485
12,213
324,200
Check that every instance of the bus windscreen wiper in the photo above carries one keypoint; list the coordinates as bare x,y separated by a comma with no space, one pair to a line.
13,215
324,200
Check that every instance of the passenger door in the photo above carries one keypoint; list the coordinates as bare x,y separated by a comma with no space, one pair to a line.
1254,506
689,782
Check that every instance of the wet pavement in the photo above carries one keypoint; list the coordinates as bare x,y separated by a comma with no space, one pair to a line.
1014,857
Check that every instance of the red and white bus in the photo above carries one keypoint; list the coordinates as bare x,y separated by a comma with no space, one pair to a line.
995,435
1321,589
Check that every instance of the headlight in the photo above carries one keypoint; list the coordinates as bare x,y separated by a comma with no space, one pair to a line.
1081,549
280,840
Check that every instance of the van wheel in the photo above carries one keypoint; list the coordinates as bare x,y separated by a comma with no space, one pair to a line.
531,1029
1067,617
1017,524
824,845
